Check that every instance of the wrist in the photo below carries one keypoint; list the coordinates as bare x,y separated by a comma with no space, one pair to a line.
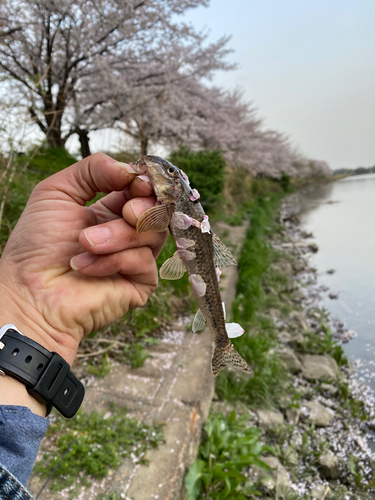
18,311
14,393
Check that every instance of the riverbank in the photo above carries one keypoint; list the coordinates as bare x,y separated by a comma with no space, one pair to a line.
311,414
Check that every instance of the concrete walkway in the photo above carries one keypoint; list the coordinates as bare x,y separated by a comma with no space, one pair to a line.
175,386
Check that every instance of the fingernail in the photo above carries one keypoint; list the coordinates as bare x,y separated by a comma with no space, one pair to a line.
139,206
82,260
129,168
97,235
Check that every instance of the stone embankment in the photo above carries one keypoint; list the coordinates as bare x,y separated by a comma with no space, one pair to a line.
325,452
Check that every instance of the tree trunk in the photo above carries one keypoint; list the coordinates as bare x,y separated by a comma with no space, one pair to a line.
84,140
54,139
144,144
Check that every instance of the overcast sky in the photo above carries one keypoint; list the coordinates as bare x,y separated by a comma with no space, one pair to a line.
308,66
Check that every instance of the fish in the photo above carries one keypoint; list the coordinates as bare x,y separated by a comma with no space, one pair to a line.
200,252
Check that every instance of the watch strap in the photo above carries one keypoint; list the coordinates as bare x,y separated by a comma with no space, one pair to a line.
46,374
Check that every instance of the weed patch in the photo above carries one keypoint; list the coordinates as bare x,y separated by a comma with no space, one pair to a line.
229,447
94,444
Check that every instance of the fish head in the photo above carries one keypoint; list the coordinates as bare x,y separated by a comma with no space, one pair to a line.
165,177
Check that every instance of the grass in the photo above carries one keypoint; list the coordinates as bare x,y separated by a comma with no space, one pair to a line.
229,447
258,344
93,445
29,171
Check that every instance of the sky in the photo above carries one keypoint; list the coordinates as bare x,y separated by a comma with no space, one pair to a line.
309,68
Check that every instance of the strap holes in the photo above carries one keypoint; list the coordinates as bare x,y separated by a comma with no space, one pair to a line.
66,392
15,352
28,359
39,367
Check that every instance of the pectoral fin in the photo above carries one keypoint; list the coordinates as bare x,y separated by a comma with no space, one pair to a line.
199,322
222,255
155,219
173,268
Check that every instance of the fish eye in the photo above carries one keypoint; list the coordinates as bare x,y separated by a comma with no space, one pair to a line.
171,169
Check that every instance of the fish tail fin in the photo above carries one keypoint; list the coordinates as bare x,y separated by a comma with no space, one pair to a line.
228,356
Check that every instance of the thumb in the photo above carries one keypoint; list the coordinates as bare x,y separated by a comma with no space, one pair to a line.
80,182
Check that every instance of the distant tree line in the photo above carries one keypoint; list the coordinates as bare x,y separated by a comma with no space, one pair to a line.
355,171
72,67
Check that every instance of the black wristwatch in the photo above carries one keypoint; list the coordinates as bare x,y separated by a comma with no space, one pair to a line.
46,374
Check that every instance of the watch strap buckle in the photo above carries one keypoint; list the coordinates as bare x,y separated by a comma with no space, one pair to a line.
59,387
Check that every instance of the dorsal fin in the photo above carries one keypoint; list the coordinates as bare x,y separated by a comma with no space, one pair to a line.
222,255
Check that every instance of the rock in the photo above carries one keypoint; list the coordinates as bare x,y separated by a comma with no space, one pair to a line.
277,477
331,271
290,359
293,415
313,247
306,234
298,295
282,267
269,419
297,320
355,497
319,491
298,266
286,299
319,367
318,414
285,337
333,295
275,313
329,466
271,290
329,388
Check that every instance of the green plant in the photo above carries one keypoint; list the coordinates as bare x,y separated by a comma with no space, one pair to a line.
29,171
205,170
314,343
228,449
93,444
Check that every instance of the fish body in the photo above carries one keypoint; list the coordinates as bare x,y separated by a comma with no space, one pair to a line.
199,251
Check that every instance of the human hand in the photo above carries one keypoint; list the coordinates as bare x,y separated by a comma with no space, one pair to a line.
57,282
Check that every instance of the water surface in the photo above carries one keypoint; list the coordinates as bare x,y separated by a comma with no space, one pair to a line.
341,216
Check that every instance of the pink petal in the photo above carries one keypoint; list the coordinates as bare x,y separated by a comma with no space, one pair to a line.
184,176
194,195
184,243
218,273
205,225
181,221
198,285
185,254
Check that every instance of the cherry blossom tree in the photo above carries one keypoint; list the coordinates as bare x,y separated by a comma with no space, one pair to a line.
140,96
53,48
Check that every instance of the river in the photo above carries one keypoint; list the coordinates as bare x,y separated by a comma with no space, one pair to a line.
341,216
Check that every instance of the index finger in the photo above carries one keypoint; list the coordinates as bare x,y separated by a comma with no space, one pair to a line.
80,182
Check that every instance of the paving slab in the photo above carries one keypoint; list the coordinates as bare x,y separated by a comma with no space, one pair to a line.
174,386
